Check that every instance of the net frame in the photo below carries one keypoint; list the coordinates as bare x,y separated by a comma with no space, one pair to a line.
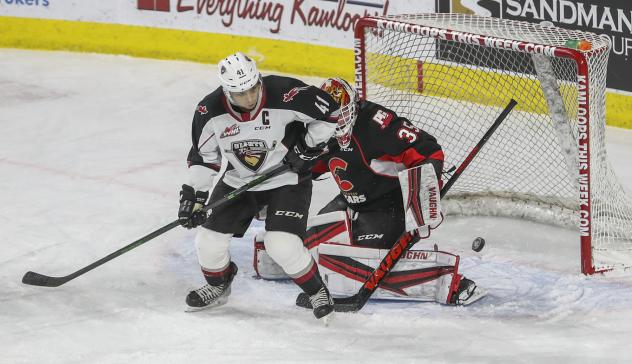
600,235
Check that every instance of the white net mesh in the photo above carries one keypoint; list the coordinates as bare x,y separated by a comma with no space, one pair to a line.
454,88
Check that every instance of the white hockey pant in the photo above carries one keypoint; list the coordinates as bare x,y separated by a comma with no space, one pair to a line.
288,252
212,249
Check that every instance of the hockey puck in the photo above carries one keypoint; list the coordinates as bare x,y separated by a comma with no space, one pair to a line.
478,244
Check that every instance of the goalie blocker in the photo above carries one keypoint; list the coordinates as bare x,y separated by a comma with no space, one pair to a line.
346,256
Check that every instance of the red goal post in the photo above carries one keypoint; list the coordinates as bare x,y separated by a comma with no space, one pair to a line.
448,73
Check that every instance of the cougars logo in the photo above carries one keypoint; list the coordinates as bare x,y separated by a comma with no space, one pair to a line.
289,96
202,109
251,153
336,166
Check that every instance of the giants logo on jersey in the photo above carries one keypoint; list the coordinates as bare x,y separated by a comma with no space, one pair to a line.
251,153
289,96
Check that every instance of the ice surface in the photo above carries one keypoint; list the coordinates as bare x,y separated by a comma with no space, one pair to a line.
92,155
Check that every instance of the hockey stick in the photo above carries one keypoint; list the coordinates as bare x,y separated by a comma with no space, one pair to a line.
37,279
406,241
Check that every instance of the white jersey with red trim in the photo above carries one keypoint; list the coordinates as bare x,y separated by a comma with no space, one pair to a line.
382,144
258,141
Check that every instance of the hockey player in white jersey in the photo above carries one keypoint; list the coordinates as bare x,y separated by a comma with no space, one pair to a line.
255,123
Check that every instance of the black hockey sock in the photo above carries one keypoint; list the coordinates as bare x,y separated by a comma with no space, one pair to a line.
310,282
221,277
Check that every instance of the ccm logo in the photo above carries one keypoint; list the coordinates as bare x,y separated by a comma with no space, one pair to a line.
370,236
289,214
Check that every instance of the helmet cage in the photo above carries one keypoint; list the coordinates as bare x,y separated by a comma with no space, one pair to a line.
346,96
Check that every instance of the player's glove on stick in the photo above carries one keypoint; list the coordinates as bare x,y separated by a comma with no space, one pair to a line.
190,214
302,158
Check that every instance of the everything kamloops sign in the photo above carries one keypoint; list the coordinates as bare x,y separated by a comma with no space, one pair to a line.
341,17
610,17
326,22
323,22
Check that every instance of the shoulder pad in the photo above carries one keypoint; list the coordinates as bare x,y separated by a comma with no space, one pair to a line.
211,105
282,90
281,84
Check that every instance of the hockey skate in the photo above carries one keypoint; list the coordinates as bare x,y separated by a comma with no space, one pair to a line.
467,293
322,304
210,296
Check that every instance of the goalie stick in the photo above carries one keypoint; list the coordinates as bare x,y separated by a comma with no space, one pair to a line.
37,279
406,241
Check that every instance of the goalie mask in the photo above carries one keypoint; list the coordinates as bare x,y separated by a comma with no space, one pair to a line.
240,80
347,97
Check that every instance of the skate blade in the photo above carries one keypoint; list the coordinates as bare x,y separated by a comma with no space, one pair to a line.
328,319
476,295
220,302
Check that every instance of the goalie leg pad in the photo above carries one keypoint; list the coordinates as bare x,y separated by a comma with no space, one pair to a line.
420,275
265,267
331,227
465,293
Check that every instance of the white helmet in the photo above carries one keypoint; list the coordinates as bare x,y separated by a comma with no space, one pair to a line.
347,97
237,73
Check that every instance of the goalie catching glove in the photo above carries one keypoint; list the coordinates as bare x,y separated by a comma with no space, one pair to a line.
191,214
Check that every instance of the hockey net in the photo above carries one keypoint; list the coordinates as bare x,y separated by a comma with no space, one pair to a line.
452,74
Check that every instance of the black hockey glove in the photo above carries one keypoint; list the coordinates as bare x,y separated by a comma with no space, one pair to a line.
302,158
190,213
